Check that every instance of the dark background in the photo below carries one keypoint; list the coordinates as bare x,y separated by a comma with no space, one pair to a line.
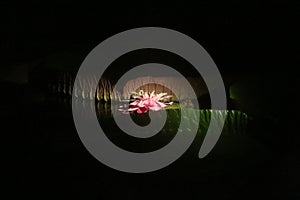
248,34
245,39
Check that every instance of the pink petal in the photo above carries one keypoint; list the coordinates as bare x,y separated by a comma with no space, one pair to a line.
156,108
142,110
134,103
132,109
141,104
162,104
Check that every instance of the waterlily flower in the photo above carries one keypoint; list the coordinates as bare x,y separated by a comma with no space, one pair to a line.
145,102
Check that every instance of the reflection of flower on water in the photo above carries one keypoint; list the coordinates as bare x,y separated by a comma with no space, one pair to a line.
143,102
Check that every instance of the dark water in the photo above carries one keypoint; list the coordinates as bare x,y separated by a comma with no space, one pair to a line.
45,159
